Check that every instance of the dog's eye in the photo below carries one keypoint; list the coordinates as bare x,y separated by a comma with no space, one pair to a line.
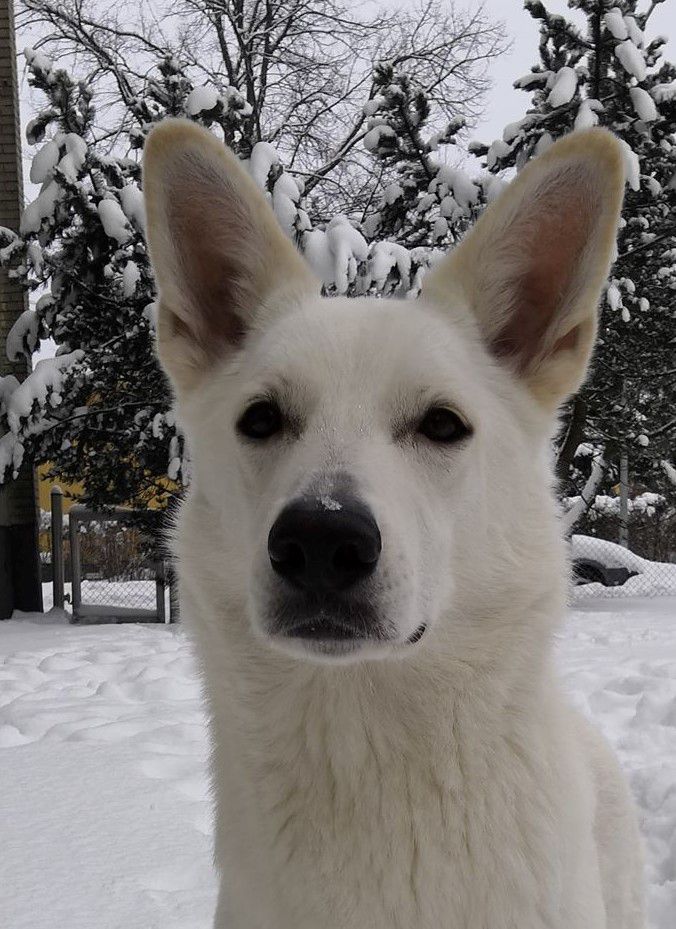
440,424
261,420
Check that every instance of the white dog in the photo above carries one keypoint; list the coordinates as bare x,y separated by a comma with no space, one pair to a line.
371,563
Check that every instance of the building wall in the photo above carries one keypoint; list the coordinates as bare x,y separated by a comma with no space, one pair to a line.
19,587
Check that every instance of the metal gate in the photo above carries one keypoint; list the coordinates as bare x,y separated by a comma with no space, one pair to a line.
115,569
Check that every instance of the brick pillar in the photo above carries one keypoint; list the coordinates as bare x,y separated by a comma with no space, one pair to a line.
19,563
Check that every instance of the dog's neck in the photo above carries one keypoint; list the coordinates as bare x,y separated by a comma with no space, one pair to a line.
407,708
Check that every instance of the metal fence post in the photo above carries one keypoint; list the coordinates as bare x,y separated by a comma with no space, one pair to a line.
58,577
75,567
160,581
173,596
624,500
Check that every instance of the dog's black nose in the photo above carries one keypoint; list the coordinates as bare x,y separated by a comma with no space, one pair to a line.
324,545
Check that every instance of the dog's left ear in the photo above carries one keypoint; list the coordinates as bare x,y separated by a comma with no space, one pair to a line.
220,258
533,266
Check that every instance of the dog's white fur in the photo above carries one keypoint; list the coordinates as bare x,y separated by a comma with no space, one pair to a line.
441,785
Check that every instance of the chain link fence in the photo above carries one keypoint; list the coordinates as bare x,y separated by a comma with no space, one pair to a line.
625,552
109,565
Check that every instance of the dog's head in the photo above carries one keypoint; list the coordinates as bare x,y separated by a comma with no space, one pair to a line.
376,466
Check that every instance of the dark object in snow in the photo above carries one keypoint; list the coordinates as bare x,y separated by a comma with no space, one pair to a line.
589,571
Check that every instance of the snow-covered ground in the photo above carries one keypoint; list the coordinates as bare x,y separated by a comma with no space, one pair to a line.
104,807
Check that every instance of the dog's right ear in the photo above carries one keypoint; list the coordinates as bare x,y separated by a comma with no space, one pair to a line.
217,250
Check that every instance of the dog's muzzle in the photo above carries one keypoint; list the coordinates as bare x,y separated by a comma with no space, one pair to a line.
325,550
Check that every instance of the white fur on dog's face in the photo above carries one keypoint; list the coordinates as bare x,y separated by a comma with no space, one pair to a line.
355,377
501,334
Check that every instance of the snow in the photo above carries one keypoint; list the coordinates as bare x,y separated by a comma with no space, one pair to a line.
632,166
512,130
631,59
46,376
493,187
327,502
634,30
42,385
76,147
384,257
545,141
619,664
41,208
613,296
374,137
44,162
25,330
200,100
38,61
498,149
114,221
465,191
285,197
587,114
643,104
533,79
669,470
563,88
372,106
664,92
133,205
661,575
131,275
615,23
103,753
334,254
392,193
263,158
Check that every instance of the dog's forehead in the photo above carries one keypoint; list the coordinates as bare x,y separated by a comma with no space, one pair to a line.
366,341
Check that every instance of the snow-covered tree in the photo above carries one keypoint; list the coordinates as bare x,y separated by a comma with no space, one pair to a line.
302,66
599,67
100,411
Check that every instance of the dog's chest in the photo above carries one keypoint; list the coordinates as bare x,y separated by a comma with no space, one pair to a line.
351,834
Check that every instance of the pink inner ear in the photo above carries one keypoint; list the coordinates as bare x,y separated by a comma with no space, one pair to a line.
213,291
215,252
546,250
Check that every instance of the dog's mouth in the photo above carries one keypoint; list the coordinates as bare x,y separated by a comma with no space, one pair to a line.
417,635
320,630
331,635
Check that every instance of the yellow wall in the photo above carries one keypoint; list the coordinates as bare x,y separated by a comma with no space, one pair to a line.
71,491
45,485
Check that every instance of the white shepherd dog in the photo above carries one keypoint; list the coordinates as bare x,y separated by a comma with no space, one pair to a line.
371,562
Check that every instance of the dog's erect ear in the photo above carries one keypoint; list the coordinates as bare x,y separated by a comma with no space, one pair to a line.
533,266
217,250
